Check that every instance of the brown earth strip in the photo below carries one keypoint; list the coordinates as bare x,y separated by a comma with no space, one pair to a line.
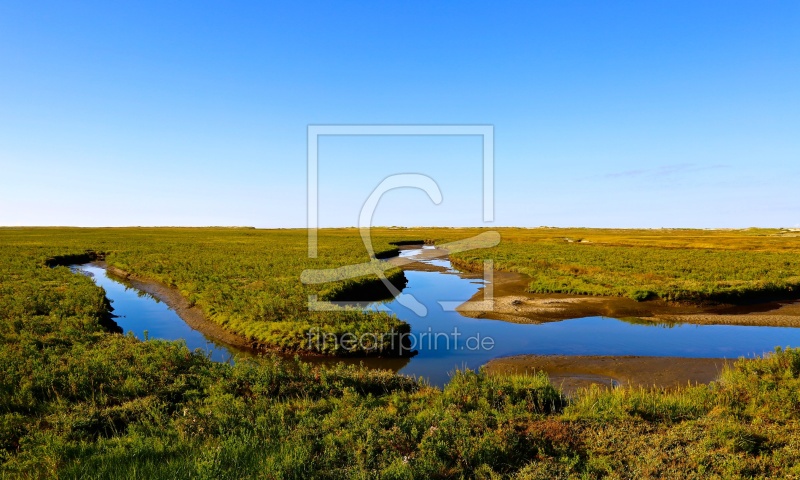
190,314
513,304
572,373
196,319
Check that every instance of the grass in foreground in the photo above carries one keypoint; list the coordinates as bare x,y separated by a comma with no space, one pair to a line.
76,402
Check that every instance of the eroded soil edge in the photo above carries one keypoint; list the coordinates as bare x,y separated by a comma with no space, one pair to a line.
513,304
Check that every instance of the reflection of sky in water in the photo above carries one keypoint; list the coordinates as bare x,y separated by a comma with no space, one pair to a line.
138,311
585,336
440,329
437,262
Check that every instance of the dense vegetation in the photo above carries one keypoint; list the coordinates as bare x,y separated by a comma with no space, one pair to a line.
77,402
674,265
248,280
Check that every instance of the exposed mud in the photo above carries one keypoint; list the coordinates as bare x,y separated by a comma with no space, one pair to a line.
196,319
572,373
190,314
512,304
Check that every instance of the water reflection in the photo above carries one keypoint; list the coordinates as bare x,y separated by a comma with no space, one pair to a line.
146,316
439,354
446,340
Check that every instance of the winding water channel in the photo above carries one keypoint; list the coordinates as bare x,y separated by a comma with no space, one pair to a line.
146,317
446,340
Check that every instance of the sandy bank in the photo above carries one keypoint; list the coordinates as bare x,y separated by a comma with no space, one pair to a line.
572,373
192,315
513,304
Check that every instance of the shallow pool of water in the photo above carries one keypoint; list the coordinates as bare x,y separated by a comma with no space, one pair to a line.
447,340
140,313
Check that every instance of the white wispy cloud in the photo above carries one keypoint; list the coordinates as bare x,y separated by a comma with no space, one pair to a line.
665,170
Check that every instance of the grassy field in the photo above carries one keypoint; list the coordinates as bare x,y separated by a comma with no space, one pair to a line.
248,280
77,402
731,266
245,280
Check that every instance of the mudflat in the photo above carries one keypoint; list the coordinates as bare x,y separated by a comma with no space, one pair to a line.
513,304
572,373
190,314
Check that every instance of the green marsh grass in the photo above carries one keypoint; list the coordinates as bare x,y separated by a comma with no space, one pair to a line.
79,402
673,265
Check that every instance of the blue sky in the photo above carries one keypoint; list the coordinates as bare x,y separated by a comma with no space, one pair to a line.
606,114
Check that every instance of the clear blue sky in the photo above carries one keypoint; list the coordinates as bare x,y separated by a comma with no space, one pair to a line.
618,114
